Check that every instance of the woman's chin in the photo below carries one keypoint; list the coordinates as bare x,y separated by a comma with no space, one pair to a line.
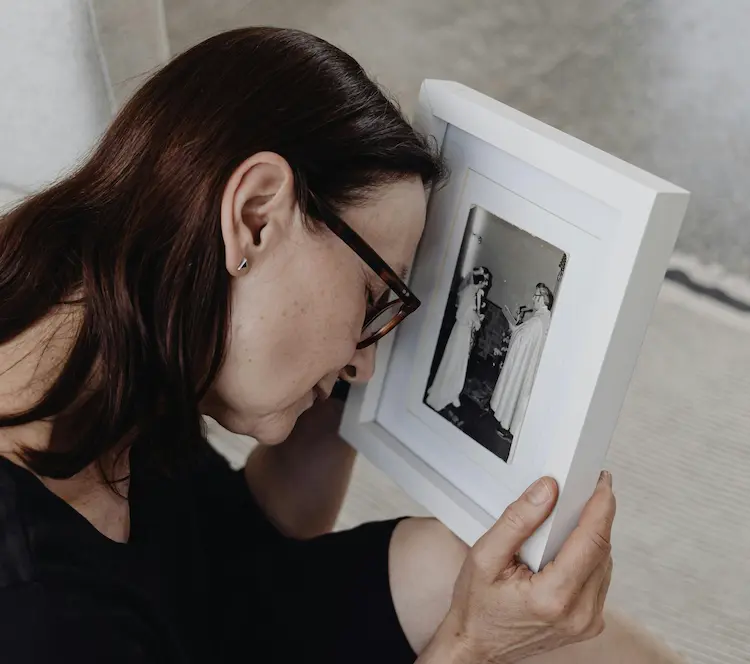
275,432
270,428
274,438
277,428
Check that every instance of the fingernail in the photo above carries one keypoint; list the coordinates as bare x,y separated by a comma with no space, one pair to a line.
605,477
538,493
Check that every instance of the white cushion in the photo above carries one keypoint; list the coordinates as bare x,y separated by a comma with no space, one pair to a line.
54,96
8,197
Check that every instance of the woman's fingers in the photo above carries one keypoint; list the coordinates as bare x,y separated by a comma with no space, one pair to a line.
502,612
587,546
587,612
574,586
588,615
497,548
604,587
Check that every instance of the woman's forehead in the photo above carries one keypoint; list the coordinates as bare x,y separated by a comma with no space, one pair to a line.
392,221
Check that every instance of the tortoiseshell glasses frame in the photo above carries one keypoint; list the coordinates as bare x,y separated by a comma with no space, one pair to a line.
381,318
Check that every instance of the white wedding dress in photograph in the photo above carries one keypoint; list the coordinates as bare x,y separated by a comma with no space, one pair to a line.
451,374
511,394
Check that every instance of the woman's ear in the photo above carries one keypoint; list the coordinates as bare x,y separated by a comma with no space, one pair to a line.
258,209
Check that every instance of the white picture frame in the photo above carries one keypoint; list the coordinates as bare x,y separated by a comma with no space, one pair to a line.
616,226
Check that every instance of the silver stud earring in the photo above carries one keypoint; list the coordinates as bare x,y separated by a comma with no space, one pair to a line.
242,265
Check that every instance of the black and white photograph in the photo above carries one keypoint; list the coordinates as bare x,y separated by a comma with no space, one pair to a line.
494,329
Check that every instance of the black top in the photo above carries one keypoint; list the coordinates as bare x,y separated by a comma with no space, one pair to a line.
205,577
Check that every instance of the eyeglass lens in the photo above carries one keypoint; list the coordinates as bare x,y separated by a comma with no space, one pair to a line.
379,319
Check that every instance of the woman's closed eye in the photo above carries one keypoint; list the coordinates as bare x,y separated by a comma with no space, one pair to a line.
376,302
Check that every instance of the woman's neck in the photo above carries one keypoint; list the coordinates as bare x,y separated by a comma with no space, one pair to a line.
28,366
104,505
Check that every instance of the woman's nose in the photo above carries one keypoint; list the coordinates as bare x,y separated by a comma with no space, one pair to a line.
361,366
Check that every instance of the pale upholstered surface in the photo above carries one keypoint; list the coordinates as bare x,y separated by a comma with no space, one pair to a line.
54,98
8,197
65,65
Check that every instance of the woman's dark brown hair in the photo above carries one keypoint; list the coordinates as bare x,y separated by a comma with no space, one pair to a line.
132,237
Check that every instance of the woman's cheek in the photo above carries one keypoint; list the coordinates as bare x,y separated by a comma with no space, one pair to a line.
339,343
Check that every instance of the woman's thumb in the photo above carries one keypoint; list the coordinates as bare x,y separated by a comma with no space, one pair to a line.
498,546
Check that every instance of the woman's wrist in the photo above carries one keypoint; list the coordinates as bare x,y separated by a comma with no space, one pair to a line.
447,646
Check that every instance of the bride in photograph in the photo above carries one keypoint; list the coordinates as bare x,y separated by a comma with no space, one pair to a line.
451,374
511,394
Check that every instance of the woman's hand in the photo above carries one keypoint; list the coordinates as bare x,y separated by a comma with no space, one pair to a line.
301,483
502,612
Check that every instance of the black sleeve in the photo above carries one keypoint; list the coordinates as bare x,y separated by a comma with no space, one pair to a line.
38,626
326,599
330,597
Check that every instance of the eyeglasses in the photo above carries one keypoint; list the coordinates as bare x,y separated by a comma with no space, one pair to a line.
395,304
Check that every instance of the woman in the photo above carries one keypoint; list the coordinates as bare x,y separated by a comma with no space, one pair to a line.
451,374
513,388
199,263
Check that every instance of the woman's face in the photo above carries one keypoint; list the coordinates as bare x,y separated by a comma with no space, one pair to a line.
297,309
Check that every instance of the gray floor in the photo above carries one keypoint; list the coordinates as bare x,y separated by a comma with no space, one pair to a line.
660,83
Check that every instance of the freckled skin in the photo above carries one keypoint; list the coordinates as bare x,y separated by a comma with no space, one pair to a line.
278,357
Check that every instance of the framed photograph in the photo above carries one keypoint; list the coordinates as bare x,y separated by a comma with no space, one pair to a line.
538,271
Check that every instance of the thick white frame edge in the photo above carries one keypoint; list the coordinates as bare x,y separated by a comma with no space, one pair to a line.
621,357
600,175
